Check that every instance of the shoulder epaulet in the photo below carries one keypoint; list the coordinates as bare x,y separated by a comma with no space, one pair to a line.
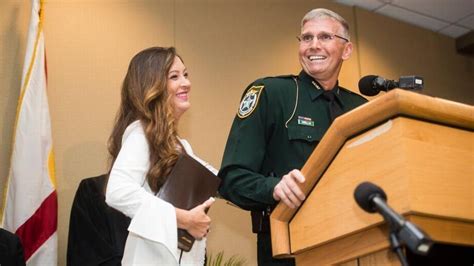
281,76
253,92
277,81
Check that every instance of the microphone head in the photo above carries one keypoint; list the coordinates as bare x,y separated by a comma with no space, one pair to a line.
365,192
367,85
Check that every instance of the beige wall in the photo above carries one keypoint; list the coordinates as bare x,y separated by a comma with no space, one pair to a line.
225,44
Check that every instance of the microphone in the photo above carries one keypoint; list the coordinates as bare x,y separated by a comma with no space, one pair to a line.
371,85
372,198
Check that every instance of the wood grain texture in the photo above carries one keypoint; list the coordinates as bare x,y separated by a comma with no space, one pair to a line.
373,240
405,141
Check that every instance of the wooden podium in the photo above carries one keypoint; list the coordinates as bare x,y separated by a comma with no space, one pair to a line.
419,149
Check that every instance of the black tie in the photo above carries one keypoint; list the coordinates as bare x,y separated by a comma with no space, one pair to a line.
335,109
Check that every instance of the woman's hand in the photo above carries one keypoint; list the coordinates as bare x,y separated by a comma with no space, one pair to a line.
195,221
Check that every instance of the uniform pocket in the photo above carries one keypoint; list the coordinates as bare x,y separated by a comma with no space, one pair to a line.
304,133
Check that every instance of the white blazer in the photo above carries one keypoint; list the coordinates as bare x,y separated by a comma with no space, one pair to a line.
152,238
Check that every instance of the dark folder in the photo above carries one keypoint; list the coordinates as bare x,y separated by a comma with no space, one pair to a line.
189,184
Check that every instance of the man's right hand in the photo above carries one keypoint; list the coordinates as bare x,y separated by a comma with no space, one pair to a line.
288,190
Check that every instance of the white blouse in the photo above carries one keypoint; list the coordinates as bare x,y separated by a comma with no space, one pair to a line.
152,238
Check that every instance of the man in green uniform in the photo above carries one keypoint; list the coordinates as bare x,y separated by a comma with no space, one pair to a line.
279,123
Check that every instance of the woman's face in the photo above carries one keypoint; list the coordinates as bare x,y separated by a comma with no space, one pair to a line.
179,87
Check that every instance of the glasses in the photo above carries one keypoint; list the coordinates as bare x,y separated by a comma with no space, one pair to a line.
323,37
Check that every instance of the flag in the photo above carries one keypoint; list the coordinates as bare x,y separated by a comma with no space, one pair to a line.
30,200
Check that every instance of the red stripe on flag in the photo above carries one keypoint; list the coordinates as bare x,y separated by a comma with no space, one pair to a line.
39,227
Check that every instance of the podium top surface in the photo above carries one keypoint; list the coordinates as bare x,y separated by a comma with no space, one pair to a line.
392,104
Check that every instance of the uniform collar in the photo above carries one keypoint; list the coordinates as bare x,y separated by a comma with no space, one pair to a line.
316,88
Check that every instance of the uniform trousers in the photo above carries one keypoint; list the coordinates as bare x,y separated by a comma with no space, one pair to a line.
264,254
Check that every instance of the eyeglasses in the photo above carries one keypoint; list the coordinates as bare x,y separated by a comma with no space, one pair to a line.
323,37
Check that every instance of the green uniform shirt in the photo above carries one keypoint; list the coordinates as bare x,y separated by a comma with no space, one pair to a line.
266,141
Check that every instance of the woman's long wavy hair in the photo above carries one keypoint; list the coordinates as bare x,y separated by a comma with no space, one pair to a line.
145,97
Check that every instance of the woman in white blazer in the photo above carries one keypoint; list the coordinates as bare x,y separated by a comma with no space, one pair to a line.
144,146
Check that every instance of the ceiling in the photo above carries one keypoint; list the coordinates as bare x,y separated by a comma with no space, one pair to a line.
453,18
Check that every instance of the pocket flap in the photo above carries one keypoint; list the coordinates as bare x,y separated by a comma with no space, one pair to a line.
309,134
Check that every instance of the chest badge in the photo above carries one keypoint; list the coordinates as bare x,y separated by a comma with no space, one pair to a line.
305,121
250,101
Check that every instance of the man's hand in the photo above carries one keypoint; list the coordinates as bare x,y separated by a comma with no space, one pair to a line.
288,190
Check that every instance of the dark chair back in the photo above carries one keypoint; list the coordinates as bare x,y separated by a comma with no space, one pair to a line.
97,232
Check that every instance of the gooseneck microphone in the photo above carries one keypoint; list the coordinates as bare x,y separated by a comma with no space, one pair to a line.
372,198
371,85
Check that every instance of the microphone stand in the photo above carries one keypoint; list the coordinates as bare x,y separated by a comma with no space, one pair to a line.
402,232
397,247
395,222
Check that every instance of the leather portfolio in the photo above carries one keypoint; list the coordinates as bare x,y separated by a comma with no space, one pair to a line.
189,184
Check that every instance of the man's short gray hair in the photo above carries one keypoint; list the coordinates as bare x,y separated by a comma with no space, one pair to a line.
321,13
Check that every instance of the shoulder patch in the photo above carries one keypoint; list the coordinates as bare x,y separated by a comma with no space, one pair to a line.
249,101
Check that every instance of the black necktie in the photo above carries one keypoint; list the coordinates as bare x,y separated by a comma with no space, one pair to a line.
335,109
